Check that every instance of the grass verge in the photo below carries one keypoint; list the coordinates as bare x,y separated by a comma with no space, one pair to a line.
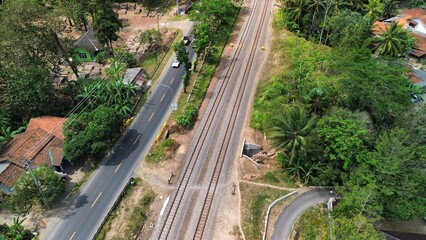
120,224
155,61
255,202
312,224
159,150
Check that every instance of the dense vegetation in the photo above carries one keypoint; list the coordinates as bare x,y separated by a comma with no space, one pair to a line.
342,116
26,193
216,20
33,50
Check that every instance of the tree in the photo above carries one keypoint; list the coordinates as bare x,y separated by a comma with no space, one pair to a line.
393,41
28,91
343,138
25,193
379,88
116,69
373,10
290,131
90,134
296,9
398,167
182,56
152,37
106,23
16,231
5,120
355,228
348,29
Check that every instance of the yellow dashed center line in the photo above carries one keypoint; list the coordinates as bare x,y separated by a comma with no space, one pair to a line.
162,97
172,80
118,166
93,204
150,117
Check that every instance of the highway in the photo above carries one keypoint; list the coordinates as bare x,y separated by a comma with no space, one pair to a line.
83,218
289,215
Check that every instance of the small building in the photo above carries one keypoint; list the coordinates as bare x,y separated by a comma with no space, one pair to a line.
41,143
86,47
135,76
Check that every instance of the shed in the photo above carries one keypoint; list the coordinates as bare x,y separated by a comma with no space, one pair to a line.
135,76
86,47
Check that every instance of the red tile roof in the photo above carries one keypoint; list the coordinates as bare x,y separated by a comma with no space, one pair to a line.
10,175
49,124
43,134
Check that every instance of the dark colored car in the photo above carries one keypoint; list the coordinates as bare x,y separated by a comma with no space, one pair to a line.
186,40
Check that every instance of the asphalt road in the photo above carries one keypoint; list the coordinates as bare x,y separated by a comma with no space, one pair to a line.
85,215
297,207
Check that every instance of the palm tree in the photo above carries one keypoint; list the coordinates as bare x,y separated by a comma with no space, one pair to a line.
296,9
373,9
116,69
292,128
391,42
316,6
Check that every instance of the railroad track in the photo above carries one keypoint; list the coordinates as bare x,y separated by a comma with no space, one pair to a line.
176,198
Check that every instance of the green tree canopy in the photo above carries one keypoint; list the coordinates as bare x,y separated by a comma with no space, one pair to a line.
393,41
106,23
290,131
348,29
25,193
378,87
91,133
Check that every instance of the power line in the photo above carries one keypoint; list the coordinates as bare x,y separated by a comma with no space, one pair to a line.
69,116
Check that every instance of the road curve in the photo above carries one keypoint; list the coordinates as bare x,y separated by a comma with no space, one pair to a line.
289,215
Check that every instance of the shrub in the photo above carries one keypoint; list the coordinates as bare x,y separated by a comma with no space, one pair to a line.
188,117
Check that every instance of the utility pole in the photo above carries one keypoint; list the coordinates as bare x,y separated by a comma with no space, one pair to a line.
36,182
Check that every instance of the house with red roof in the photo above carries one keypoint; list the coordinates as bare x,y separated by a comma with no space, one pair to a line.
414,21
42,144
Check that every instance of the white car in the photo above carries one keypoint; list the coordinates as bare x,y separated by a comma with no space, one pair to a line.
175,63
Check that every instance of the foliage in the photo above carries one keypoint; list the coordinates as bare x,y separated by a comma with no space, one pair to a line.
373,9
16,231
342,137
290,131
102,57
393,41
188,117
348,29
380,88
25,193
152,37
212,14
7,134
91,133
355,228
106,23
398,167
113,94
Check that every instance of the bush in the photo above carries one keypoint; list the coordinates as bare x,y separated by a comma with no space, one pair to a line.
102,57
188,118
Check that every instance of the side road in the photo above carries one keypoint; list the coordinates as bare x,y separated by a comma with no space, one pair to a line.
289,215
